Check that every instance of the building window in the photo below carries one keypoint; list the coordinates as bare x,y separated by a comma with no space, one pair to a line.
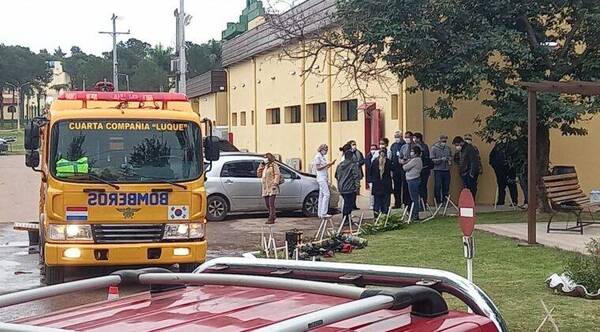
317,112
273,116
242,118
234,119
395,107
252,118
293,114
349,110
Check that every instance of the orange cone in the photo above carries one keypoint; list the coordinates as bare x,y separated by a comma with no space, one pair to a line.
113,293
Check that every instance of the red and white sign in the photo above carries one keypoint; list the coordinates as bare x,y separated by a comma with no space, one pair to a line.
466,212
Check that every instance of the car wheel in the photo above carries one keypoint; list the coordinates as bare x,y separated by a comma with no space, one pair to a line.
216,208
310,207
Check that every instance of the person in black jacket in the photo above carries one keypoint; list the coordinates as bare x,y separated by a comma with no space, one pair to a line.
348,178
380,173
397,171
506,175
468,162
427,166
368,161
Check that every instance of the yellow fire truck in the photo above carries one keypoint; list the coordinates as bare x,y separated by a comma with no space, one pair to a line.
122,181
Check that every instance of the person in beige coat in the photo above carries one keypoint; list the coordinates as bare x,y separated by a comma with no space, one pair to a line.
270,179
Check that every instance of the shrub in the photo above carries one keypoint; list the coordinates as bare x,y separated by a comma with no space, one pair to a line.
585,269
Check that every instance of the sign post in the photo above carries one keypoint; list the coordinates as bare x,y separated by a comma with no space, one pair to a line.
467,218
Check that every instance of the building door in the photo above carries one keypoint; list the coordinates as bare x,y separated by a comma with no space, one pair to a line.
373,124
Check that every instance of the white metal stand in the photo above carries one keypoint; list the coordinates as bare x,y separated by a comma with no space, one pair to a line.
267,241
325,222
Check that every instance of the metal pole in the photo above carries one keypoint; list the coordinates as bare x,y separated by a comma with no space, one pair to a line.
182,59
115,65
531,167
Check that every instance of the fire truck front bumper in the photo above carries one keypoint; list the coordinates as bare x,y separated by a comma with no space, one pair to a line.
64,254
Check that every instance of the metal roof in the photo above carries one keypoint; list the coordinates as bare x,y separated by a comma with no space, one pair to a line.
209,82
316,13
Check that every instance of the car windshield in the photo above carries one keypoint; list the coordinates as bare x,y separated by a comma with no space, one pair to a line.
126,151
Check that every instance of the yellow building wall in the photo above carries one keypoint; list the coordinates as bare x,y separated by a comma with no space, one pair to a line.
212,106
241,99
581,152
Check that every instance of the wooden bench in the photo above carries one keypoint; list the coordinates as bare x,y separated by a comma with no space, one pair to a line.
564,194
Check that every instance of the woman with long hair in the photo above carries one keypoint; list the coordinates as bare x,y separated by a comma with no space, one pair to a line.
271,178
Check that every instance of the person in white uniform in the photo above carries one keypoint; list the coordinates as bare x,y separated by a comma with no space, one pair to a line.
321,169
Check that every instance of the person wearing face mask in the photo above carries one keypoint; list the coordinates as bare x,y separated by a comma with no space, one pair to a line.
322,167
270,176
359,159
368,162
397,171
381,178
382,145
469,164
469,140
441,155
402,159
427,166
413,168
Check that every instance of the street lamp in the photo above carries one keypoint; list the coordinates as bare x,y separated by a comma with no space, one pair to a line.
15,88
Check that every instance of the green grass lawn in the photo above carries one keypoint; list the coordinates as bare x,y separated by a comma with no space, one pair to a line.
16,148
513,276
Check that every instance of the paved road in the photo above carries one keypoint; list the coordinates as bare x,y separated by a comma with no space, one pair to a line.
19,192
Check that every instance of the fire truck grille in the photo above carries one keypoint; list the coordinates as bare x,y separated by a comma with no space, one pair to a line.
127,233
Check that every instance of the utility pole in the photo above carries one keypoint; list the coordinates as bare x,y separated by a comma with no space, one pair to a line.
114,35
182,21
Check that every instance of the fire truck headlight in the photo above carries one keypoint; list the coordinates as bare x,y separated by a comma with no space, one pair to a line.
78,232
196,231
183,231
69,232
56,232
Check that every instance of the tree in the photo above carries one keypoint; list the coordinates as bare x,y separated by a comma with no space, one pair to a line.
59,54
203,57
149,76
467,49
21,68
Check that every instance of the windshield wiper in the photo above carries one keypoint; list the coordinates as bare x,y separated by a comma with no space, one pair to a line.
97,178
169,182
160,180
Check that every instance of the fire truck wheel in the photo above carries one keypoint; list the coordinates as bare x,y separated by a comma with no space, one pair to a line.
188,267
54,275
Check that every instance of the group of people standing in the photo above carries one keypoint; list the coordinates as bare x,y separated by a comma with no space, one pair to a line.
402,170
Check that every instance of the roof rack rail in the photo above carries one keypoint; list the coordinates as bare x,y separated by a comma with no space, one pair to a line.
420,288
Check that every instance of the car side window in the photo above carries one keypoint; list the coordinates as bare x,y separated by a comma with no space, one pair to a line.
239,169
285,173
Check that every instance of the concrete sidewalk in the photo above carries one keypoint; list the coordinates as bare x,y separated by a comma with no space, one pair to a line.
571,241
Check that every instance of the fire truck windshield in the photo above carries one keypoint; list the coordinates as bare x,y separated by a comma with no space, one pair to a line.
125,151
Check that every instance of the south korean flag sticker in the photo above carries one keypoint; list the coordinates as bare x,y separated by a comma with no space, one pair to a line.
178,212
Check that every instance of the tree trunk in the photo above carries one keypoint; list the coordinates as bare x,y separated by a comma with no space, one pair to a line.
542,164
1,107
21,105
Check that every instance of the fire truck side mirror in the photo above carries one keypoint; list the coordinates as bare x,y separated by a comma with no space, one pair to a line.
32,136
32,158
211,148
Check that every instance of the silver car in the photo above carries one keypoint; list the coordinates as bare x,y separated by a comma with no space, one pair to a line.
233,187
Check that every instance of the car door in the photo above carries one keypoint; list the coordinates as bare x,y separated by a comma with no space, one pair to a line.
241,184
290,191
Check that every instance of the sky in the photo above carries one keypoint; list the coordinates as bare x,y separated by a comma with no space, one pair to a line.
39,24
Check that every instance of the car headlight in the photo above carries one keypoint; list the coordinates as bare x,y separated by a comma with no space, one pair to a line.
184,231
70,232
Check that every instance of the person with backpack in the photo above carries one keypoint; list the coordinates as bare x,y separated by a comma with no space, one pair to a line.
270,176
348,178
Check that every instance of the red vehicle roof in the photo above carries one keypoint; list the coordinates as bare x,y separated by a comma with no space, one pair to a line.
232,308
